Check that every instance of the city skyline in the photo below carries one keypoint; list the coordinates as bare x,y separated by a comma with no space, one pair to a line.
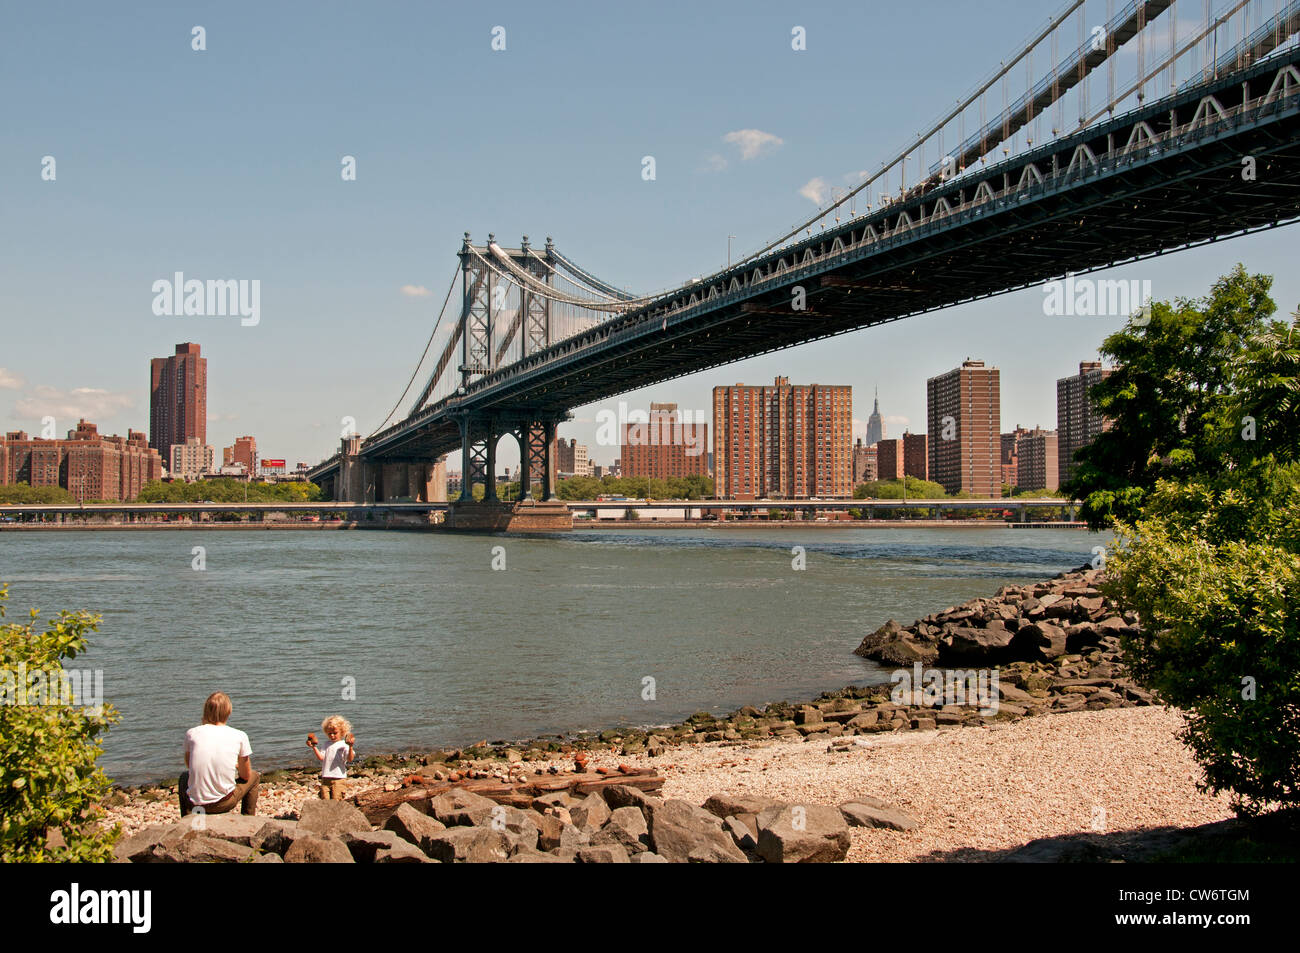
352,272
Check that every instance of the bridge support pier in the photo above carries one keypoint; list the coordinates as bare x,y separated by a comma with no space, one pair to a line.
537,461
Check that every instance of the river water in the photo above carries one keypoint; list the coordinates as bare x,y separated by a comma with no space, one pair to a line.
444,650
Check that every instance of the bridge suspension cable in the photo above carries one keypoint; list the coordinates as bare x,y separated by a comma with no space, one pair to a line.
541,288
427,345
1132,21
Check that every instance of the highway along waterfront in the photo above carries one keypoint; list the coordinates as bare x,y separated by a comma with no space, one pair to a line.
420,642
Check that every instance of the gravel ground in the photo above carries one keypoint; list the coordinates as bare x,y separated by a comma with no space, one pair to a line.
975,788
984,788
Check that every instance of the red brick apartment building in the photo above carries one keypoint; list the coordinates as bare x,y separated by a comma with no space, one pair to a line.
784,441
87,464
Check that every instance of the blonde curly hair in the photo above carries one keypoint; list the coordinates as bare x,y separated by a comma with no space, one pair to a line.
336,721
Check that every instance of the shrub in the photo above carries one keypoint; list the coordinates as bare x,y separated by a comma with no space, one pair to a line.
49,779
1213,571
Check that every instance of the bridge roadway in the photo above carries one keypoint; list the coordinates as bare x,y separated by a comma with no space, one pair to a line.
1164,176
366,510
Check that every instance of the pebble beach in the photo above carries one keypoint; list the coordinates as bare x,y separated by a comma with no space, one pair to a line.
972,790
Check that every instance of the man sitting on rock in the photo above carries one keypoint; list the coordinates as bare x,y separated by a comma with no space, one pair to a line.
218,773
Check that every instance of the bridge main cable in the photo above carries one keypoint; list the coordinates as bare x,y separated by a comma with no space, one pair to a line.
993,133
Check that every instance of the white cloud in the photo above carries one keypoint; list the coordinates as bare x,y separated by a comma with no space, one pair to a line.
815,190
416,291
896,424
90,403
9,380
714,163
753,142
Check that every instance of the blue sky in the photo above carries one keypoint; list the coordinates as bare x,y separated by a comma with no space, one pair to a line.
225,164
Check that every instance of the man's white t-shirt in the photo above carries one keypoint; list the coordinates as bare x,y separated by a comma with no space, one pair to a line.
214,752
335,764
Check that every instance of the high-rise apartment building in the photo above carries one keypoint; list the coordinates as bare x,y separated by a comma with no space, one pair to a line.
1077,423
1010,458
1037,464
905,455
963,410
178,399
191,459
664,446
88,465
916,455
889,459
783,441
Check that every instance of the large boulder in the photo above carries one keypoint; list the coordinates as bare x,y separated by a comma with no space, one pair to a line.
555,832
458,808
726,805
591,813
967,644
1039,641
468,845
331,817
410,825
624,795
681,833
526,856
367,847
603,854
236,828
311,848
274,837
891,644
626,827
871,812
802,834
139,847
198,848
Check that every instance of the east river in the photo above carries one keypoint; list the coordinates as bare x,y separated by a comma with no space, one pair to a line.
441,649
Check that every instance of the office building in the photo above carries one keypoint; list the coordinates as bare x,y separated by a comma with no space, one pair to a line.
875,423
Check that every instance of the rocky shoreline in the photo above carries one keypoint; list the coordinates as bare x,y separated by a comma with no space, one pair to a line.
1054,647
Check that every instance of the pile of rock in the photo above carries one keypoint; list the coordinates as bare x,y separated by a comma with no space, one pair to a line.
618,824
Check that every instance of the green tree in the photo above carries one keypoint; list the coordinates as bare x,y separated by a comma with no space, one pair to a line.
1170,396
1213,570
22,493
917,489
50,780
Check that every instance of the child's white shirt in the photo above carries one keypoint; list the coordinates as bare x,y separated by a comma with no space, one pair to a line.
335,764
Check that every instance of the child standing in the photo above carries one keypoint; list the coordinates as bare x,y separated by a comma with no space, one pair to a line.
334,759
